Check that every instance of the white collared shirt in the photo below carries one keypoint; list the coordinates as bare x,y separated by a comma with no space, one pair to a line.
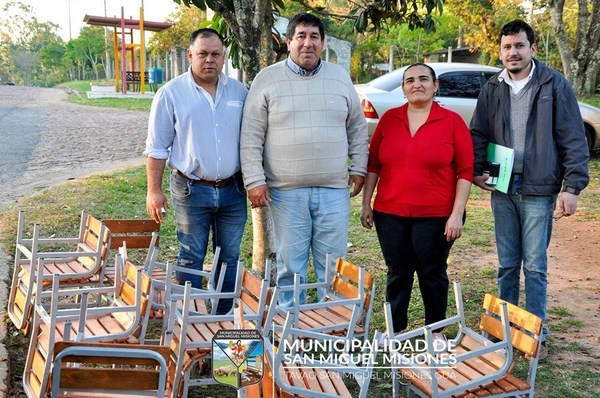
198,136
516,85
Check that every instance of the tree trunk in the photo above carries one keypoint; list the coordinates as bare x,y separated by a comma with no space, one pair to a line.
252,20
262,241
581,64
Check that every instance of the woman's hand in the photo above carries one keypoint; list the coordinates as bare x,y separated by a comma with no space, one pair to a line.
366,217
454,227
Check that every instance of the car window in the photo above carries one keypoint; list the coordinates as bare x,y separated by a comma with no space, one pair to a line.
389,81
459,85
487,76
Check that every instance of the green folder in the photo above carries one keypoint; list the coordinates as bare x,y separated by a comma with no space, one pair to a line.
505,157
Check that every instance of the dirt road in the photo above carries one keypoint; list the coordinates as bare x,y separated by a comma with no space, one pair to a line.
46,141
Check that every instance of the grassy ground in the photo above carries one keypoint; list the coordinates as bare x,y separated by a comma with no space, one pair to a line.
122,195
58,210
79,89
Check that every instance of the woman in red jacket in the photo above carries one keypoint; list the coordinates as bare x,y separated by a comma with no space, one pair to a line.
421,160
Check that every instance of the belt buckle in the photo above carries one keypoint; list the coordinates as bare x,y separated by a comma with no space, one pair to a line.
220,184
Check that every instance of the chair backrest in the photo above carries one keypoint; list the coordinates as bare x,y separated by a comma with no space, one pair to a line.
127,286
111,369
94,236
525,327
253,297
136,233
346,283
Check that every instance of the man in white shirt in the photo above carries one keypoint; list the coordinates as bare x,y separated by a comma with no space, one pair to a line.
194,128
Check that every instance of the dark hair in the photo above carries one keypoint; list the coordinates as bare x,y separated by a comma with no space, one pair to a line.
205,32
516,26
305,18
431,71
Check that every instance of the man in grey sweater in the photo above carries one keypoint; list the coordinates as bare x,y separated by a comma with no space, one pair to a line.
302,121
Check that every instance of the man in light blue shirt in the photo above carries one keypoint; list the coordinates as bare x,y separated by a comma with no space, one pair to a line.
194,128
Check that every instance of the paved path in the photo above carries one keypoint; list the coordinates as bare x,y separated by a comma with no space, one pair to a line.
46,141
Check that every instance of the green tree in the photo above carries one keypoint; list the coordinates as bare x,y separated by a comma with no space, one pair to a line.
76,61
186,19
22,40
89,48
482,21
408,45
53,67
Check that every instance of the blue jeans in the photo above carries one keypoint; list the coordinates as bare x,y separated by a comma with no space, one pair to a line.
523,225
305,219
198,210
409,245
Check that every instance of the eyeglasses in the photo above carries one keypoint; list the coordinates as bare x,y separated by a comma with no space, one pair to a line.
204,55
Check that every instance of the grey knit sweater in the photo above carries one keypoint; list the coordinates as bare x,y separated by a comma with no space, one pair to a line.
300,131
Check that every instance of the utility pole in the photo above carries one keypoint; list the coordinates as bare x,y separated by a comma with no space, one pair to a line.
107,42
69,5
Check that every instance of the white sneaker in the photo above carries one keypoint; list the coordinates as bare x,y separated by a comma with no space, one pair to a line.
440,343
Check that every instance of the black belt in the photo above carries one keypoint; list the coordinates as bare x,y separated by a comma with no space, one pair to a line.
215,184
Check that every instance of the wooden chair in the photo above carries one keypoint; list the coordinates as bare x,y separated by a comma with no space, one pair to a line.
83,264
86,370
117,320
480,367
139,235
307,375
213,282
189,334
345,310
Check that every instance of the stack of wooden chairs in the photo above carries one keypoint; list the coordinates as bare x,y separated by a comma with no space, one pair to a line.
88,321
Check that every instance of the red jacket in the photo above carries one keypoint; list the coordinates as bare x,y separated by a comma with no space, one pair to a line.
417,175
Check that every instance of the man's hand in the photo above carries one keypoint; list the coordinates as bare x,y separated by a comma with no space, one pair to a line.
259,196
358,182
480,182
567,204
156,203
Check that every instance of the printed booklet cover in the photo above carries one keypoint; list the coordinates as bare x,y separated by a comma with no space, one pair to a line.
499,166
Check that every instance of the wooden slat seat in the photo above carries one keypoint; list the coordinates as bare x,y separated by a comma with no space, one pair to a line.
345,310
318,378
116,317
75,260
482,368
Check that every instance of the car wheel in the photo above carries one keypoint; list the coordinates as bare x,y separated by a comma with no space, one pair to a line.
589,137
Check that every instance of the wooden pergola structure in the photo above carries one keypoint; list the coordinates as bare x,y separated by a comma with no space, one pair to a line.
124,28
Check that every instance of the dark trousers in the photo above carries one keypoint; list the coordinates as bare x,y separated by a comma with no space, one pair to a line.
409,245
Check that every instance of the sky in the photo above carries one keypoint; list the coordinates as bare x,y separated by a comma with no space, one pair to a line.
58,11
